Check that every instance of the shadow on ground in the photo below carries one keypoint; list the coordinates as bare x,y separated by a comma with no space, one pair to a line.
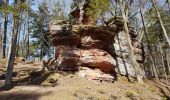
33,79
22,96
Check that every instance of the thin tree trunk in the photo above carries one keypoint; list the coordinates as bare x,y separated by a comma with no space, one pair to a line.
147,40
161,23
162,58
27,30
138,70
23,41
168,1
4,35
0,36
168,64
12,52
19,35
41,53
12,49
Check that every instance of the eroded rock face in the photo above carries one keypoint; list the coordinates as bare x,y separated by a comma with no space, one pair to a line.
97,47
67,57
85,45
97,59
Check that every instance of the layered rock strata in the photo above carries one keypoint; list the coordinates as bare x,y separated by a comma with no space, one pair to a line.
96,47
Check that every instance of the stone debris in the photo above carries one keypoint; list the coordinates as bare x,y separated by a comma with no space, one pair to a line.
95,74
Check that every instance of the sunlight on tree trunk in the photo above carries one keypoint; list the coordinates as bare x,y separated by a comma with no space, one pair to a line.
12,52
138,70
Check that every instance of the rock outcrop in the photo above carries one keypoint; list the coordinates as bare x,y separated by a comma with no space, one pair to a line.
96,47
83,45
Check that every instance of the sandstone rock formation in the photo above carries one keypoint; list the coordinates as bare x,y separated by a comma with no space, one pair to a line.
97,47
82,46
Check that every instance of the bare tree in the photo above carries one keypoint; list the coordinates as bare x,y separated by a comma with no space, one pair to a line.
160,21
147,40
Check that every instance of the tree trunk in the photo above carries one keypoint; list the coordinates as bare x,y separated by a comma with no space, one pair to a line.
12,52
168,1
147,40
27,30
41,53
12,49
23,41
138,70
168,64
0,36
4,35
19,35
162,58
161,23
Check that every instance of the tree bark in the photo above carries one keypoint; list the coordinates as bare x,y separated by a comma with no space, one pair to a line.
4,35
147,40
23,41
41,53
12,49
161,23
138,70
0,36
168,64
27,30
12,52
19,35
168,1
162,58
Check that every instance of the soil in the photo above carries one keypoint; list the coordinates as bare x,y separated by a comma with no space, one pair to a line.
69,86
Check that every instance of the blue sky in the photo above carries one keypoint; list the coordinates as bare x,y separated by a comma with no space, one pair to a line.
67,2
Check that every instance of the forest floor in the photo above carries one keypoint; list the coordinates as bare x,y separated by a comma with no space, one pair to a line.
69,86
